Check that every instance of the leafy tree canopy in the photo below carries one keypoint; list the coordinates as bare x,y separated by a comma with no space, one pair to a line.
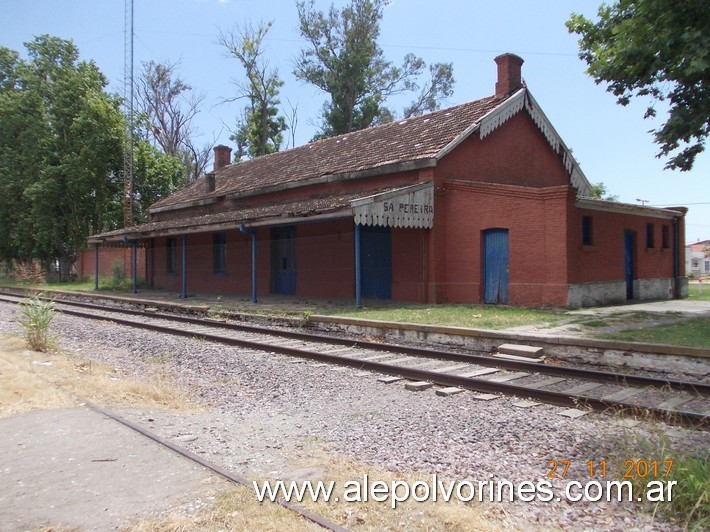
156,175
656,48
260,128
344,60
60,147
599,191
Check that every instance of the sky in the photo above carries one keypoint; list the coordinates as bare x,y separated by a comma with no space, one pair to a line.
612,143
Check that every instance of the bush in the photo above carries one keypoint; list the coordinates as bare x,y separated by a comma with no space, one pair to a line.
118,272
691,503
36,315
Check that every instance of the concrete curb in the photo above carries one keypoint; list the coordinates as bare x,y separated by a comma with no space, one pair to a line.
529,339
663,358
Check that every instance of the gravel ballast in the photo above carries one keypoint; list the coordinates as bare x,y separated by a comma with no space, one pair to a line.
268,416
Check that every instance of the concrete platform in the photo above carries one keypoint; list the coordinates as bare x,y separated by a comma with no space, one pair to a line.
78,469
560,342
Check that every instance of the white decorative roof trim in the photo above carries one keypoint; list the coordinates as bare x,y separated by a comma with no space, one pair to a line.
501,114
411,206
524,100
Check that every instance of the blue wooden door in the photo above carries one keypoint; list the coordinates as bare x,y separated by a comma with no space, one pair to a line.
283,259
495,266
376,262
629,263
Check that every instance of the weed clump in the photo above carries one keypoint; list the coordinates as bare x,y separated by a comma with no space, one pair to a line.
36,315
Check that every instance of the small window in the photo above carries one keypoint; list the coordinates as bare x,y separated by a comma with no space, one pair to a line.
649,236
171,255
665,236
587,239
219,252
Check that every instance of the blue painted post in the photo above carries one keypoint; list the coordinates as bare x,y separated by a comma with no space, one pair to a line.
134,256
251,231
96,268
253,266
358,272
184,267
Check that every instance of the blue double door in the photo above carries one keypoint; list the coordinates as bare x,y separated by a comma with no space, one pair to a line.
376,261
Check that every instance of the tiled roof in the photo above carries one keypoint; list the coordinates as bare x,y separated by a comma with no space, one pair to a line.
285,212
416,139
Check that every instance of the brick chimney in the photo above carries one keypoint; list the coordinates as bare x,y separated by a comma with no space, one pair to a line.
210,182
509,75
222,156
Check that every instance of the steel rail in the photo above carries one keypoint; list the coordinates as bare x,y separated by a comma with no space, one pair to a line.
480,385
224,473
232,477
557,398
622,379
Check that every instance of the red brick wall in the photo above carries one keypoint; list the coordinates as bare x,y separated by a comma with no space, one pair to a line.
200,273
514,154
513,180
325,257
408,264
86,265
538,263
604,259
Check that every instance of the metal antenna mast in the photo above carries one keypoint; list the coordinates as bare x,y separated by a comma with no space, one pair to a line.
128,107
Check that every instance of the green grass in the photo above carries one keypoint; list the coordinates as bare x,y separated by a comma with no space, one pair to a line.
83,285
691,502
472,316
694,292
689,507
692,333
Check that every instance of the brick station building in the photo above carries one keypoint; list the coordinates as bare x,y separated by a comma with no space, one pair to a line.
481,202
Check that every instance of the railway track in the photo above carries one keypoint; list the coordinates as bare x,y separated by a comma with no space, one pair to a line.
674,401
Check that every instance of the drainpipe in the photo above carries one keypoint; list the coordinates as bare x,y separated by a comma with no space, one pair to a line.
676,265
358,272
96,267
251,231
183,295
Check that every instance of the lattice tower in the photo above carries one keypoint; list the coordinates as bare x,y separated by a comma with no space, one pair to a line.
128,108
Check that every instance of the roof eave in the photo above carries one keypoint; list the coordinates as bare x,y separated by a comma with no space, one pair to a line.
405,166
628,208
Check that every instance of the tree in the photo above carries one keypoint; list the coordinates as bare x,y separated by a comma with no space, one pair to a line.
344,60
599,191
156,175
260,128
60,151
656,48
169,105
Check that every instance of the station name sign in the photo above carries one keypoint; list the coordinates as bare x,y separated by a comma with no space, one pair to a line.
411,206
